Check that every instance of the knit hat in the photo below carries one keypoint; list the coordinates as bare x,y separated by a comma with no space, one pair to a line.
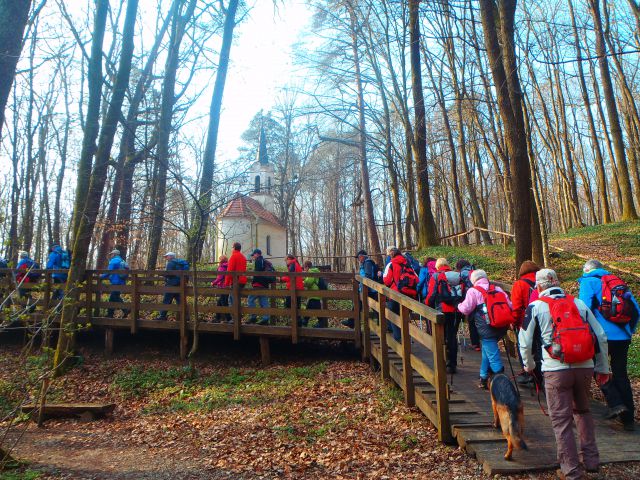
23,254
477,275
528,267
115,251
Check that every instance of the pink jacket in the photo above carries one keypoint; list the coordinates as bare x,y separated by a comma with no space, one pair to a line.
473,298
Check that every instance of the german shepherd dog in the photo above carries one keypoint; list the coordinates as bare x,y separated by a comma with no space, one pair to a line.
507,412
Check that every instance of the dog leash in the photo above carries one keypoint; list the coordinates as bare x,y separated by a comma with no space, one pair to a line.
537,382
513,374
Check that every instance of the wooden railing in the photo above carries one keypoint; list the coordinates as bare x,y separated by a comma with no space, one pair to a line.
421,350
143,291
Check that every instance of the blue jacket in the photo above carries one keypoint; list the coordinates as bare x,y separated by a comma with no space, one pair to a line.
368,270
591,293
423,283
54,262
115,264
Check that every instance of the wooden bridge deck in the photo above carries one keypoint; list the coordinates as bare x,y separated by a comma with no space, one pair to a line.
471,419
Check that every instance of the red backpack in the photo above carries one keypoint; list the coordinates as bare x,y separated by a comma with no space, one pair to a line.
616,305
407,281
498,309
572,340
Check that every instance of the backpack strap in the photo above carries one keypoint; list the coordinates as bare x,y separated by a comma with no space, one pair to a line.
529,282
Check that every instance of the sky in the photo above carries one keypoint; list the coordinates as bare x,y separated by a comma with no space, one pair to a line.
261,64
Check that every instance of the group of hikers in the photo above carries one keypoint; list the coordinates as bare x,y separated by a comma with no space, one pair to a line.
563,342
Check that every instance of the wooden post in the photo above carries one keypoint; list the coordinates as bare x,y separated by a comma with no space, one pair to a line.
407,369
87,296
135,300
184,309
384,349
96,311
293,309
440,370
47,291
108,341
357,330
366,351
265,352
237,319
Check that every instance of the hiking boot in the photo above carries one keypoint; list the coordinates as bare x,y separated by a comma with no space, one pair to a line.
348,322
263,321
252,320
525,379
629,427
615,411
484,384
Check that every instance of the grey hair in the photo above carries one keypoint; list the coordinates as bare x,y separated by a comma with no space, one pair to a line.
23,254
591,265
546,278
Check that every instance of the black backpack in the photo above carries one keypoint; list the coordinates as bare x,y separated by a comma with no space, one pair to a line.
322,284
267,279
447,293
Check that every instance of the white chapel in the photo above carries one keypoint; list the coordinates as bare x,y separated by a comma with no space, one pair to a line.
251,219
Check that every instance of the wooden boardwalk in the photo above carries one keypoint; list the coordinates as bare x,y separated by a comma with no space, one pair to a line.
459,410
469,415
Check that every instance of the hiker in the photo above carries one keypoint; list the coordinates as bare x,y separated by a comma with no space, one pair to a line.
465,268
444,293
426,270
595,289
568,367
260,265
25,275
58,260
170,280
399,276
294,266
314,284
524,292
368,269
116,263
237,263
223,300
475,306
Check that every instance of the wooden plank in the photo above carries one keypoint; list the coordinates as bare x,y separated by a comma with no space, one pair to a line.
61,410
439,367
294,311
357,330
366,351
135,309
409,393
159,307
384,349
422,337
236,307
108,341
423,369
265,353
184,313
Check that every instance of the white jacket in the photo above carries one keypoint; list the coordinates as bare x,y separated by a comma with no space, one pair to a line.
538,314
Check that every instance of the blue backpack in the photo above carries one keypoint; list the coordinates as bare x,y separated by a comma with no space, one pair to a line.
123,266
65,259
181,264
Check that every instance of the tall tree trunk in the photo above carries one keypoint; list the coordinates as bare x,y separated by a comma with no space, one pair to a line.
628,207
89,208
202,211
14,15
599,161
372,232
427,232
500,44
178,27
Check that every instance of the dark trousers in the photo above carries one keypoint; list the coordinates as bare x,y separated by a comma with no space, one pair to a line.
394,329
473,332
451,325
617,391
287,304
116,298
316,304
223,301
58,293
168,300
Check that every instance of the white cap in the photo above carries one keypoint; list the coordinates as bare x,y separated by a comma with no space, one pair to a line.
169,254
115,251
23,254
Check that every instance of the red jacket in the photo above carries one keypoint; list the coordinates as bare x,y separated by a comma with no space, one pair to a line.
431,290
237,263
392,273
294,267
520,293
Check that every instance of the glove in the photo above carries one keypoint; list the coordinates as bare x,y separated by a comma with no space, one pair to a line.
602,378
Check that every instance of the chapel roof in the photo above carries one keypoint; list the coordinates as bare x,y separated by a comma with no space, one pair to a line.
243,206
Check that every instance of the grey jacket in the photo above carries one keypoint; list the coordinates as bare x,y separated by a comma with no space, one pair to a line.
538,313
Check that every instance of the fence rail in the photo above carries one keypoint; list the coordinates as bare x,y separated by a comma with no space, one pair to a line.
417,362
143,292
